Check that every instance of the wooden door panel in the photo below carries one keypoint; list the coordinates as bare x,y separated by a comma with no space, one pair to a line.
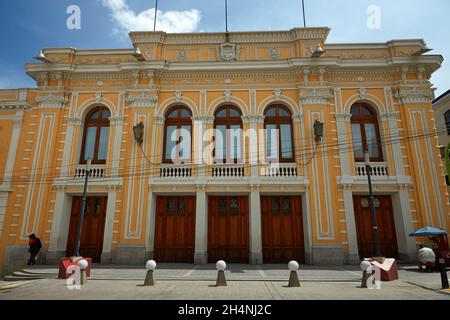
91,242
386,226
228,235
282,229
175,229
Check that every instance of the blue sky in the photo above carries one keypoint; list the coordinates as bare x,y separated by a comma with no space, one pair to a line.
27,26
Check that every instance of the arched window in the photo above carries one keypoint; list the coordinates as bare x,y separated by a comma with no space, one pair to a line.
95,136
447,121
228,135
365,132
177,133
278,127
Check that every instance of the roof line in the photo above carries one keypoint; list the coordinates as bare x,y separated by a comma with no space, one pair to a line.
441,97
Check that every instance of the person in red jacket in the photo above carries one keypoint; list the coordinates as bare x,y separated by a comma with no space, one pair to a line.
35,246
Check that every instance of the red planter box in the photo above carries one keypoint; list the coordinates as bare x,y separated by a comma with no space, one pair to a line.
66,262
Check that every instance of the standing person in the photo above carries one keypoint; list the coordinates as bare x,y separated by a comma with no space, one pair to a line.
35,246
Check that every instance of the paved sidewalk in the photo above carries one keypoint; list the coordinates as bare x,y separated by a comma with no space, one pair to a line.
186,281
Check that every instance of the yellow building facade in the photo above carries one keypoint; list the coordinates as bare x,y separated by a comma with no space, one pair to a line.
292,193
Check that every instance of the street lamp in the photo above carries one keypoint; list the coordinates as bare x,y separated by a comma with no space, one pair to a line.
83,208
138,131
372,206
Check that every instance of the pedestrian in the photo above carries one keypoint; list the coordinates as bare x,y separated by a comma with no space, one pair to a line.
35,246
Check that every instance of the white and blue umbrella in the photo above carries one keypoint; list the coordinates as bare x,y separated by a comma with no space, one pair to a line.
427,231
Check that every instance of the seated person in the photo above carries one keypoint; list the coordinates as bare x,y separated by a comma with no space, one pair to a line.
426,257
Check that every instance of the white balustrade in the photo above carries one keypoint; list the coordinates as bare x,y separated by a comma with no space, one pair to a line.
379,169
228,171
281,170
97,171
175,171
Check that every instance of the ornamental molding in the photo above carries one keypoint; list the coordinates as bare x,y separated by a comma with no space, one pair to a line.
253,118
14,105
229,52
315,97
277,94
296,118
414,95
234,37
389,116
204,119
75,121
51,101
228,95
142,100
116,120
159,120
346,116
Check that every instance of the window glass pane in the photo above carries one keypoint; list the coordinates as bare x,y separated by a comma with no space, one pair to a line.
170,207
235,142
222,113
103,143
181,206
222,207
272,142
275,206
372,143
171,138
106,114
233,206
283,113
355,111
185,143
234,113
185,113
357,140
89,144
286,141
94,116
173,114
367,112
220,142
286,206
270,112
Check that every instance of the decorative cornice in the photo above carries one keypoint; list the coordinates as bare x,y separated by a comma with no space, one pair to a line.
319,34
14,105
51,101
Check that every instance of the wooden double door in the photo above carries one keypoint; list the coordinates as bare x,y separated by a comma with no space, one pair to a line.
386,226
175,229
282,229
228,233
91,243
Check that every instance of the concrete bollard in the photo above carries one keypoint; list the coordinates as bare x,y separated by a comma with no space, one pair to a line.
83,264
221,281
150,266
294,282
366,267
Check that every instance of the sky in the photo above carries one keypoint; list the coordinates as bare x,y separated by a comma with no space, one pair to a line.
28,26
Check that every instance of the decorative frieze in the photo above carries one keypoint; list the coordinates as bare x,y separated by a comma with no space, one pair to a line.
142,101
51,101
253,119
204,119
414,95
13,105
315,97
229,52
116,120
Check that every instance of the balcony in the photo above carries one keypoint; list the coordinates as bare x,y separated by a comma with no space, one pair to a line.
228,171
175,171
97,171
379,169
280,170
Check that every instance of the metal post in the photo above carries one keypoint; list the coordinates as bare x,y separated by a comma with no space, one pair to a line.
156,14
304,16
443,270
373,212
83,208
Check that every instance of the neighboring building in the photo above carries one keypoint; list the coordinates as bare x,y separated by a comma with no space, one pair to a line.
441,107
164,200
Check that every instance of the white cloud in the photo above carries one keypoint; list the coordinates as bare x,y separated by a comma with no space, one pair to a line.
170,21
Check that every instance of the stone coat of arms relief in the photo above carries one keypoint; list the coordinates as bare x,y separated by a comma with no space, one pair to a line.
228,52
